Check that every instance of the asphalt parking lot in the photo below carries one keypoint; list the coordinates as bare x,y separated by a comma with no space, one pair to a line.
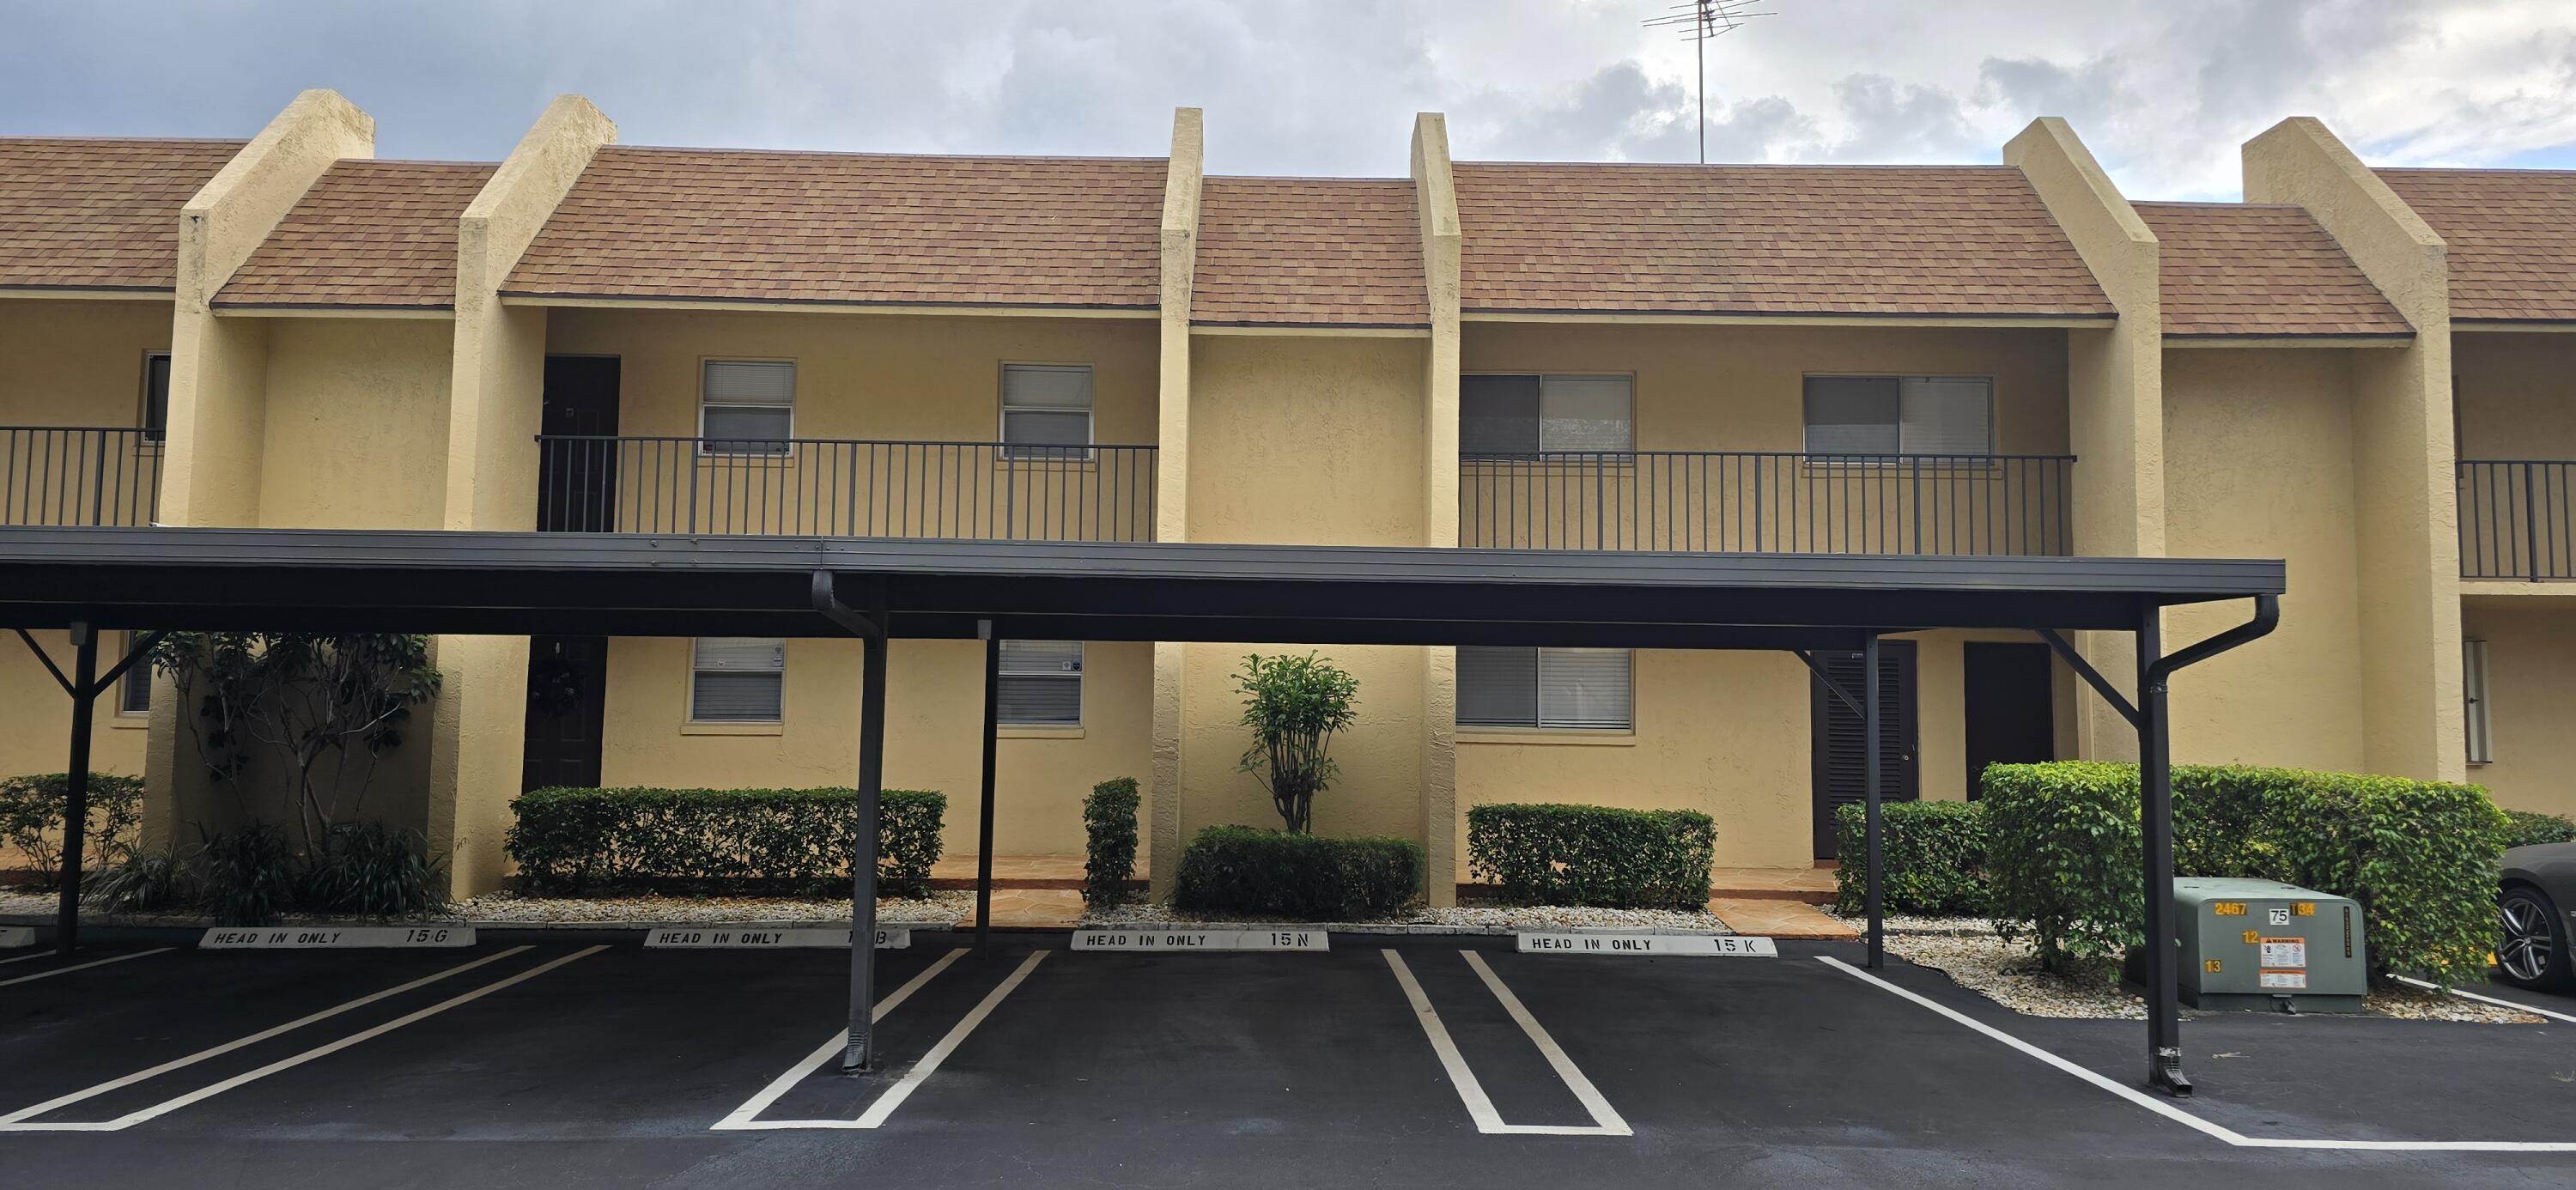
548,1059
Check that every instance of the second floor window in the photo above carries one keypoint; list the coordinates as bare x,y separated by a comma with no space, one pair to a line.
156,395
737,679
1524,415
1041,683
1900,415
1046,411
1525,687
747,407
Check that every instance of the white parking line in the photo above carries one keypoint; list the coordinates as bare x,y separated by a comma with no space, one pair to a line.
81,966
912,1079
1480,1106
741,1118
2167,1109
2501,1003
16,1121
44,954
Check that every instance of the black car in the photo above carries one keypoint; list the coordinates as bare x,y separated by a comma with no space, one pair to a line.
2538,902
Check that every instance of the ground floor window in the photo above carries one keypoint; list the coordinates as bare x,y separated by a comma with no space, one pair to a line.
737,679
2473,684
1532,687
1041,683
134,690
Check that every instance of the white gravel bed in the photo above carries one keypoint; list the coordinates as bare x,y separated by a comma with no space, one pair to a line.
945,908
1463,919
1912,923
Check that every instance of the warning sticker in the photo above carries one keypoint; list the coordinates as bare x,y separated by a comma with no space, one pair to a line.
2285,952
2289,980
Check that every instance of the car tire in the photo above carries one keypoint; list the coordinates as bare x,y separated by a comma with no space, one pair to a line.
2534,953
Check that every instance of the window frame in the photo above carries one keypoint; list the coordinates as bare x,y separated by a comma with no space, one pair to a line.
689,688
138,677
1900,456
1538,720
1064,453
1542,453
153,436
2477,680
1081,688
795,383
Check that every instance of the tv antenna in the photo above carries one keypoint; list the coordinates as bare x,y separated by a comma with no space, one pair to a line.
1701,20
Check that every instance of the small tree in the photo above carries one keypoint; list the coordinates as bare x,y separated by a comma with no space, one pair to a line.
329,706
1293,706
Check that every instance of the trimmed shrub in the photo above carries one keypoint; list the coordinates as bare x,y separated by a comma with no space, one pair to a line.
1934,857
2525,828
1109,841
1264,873
1553,854
787,840
2417,856
31,819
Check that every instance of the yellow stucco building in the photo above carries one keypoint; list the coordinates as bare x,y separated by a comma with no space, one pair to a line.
2365,372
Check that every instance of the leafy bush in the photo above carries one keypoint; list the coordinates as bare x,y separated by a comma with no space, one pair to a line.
2526,828
800,840
1553,854
1263,873
1293,706
249,874
31,818
142,881
1933,856
2417,856
1109,834
373,871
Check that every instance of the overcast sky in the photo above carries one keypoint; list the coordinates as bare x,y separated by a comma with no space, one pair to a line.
2163,92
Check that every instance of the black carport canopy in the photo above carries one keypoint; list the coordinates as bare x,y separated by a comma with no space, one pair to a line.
477,583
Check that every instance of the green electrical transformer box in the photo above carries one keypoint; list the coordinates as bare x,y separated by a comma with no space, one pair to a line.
2265,944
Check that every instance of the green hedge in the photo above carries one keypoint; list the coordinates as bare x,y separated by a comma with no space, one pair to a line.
1934,856
1266,873
1109,841
1553,854
2064,855
789,840
2527,828
31,819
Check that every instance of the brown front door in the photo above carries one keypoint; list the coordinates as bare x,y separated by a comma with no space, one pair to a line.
1840,772
576,486
2011,707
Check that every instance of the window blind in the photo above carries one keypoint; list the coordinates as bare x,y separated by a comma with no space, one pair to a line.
1528,687
735,679
1040,682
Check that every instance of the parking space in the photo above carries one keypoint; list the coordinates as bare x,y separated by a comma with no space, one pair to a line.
1381,1059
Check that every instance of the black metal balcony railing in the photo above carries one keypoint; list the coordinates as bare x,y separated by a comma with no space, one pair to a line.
1752,502
2518,519
843,487
79,475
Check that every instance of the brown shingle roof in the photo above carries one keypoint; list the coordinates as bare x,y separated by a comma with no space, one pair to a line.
95,213
2248,269
1766,239
2512,234
1309,251
835,227
367,233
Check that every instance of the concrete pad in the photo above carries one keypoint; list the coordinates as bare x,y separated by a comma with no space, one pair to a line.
1779,919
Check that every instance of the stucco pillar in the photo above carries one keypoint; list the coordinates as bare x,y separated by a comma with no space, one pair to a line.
496,403
2406,509
1436,205
2114,391
212,448
1179,248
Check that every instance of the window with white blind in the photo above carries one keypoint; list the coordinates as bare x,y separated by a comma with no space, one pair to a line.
134,690
1520,415
1041,683
1046,411
1526,687
1900,415
747,407
737,679
2473,684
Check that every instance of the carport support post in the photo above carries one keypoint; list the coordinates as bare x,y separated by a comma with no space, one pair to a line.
2155,824
76,786
984,813
1869,796
863,865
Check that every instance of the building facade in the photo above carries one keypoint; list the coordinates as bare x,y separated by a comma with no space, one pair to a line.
2362,371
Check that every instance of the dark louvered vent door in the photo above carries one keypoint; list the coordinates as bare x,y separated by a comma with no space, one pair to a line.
1841,773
